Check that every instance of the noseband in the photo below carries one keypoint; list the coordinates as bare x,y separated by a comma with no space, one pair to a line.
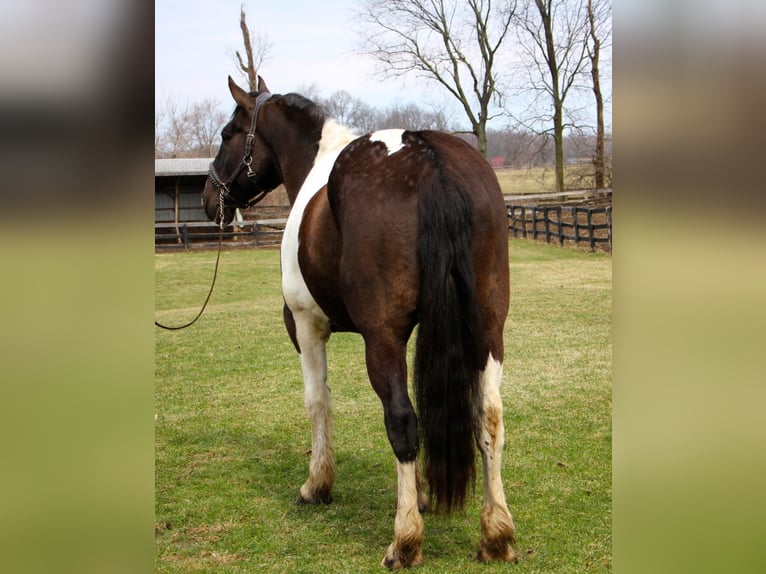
225,197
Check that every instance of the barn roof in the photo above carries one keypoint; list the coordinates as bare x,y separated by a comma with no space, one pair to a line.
182,166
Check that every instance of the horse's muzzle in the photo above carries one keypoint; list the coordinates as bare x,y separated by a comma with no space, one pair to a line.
211,198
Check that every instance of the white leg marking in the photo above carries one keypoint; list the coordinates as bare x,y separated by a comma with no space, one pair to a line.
492,433
391,138
497,526
312,337
406,549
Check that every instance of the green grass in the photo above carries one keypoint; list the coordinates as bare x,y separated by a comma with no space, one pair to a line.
232,435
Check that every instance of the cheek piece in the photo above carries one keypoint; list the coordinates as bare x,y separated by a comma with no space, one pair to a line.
225,198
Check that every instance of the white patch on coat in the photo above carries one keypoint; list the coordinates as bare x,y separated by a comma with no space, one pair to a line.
334,138
391,138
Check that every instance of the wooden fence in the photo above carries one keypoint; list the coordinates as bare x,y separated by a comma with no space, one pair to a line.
578,217
559,223
204,234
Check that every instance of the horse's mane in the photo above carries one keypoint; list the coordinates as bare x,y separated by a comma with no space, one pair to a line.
295,101
303,104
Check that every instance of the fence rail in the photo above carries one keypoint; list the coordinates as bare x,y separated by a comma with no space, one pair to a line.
579,197
201,234
554,222
560,223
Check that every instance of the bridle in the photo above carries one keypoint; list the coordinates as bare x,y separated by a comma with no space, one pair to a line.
225,197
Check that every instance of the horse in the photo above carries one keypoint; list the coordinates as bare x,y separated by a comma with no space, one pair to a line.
386,231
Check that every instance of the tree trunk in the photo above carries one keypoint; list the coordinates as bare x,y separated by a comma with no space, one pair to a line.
598,160
558,139
480,131
558,104
249,68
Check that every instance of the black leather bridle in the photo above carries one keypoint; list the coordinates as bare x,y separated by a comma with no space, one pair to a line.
225,197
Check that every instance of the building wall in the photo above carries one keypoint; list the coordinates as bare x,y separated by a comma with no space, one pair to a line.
188,189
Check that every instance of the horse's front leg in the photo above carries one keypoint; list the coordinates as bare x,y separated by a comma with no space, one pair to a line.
311,335
387,368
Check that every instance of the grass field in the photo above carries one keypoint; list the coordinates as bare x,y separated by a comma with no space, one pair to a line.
517,181
232,435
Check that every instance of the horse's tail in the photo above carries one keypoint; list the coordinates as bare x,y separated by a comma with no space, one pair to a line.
449,343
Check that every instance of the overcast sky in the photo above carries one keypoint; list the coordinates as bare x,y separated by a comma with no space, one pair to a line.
313,44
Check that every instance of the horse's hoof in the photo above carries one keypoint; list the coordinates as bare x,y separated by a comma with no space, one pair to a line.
396,559
319,498
501,551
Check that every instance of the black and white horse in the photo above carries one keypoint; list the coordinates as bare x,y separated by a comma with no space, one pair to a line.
387,231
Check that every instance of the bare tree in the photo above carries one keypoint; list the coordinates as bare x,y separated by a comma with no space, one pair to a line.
599,31
172,122
159,118
350,111
553,36
519,148
205,123
256,51
342,106
183,130
413,117
454,43
357,114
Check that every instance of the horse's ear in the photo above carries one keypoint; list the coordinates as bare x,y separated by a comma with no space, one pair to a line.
240,96
262,87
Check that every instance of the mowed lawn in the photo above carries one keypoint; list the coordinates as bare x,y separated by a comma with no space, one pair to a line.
232,435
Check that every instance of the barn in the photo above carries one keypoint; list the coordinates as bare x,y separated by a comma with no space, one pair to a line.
178,184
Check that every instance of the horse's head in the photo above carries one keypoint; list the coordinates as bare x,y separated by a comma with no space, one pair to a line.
244,169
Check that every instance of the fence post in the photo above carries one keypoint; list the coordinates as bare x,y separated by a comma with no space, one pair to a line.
547,223
185,235
591,233
608,212
576,221
561,226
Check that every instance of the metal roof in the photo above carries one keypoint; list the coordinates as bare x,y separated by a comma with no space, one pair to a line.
182,166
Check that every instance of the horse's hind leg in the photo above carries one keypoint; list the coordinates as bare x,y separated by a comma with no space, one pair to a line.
312,336
406,549
497,527
387,368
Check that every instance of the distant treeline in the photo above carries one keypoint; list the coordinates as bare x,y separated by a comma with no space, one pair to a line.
194,131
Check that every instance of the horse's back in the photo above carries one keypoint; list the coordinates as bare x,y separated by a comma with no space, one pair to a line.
374,205
386,169
374,186
376,193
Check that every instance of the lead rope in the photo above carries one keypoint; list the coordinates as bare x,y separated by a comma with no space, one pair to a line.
215,272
